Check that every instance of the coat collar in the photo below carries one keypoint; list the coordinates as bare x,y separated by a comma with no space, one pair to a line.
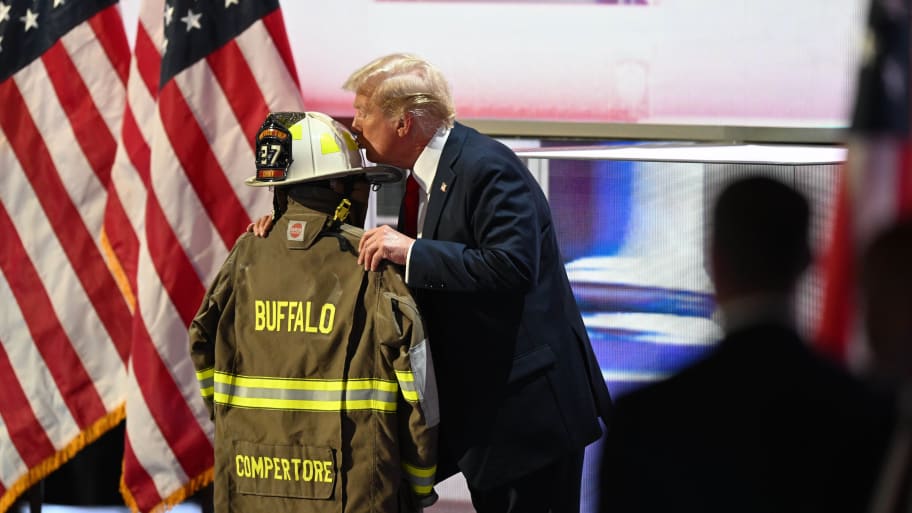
444,179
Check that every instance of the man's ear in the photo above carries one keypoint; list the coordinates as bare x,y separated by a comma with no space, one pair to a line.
404,125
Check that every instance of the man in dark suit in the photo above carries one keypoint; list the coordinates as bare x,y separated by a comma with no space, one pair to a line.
520,389
761,424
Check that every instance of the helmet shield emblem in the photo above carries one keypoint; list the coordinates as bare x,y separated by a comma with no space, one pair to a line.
273,151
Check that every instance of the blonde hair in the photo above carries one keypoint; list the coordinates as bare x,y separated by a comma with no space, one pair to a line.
400,83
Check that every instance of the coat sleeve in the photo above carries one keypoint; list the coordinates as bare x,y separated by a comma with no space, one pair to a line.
498,248
418,407
204,327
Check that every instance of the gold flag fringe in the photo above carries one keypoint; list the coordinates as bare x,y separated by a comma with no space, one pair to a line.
53,462
182,494
117,271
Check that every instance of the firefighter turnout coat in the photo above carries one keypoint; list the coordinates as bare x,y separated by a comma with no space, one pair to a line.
316,373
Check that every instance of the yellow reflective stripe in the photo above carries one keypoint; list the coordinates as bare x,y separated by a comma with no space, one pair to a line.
406,376
305,394
412,470
421,479
303,404
328,144
422,489
205,382
328,385
350,141
407,382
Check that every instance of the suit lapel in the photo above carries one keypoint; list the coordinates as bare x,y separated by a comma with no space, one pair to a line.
443,180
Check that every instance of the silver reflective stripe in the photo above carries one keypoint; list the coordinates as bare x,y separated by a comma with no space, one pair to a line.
425,381
421,479
407,385
205,378
305,394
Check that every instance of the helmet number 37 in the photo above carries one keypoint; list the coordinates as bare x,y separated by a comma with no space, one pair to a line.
275,150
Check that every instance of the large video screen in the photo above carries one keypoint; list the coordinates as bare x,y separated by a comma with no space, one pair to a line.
694,62
634,238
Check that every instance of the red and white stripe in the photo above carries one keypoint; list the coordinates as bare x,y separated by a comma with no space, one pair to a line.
185,152
64,329
875,190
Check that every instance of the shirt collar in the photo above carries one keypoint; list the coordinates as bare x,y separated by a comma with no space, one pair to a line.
425,167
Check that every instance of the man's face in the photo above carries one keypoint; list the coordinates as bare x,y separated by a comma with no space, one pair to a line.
376,134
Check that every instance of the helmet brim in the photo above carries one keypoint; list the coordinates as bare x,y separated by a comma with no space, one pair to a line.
379,174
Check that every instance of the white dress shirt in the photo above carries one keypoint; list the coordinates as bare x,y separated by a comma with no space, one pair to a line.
424,171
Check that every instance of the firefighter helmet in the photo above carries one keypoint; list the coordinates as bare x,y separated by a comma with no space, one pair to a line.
297,147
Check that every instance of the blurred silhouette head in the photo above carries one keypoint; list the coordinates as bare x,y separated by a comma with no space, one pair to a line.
759,242
886,291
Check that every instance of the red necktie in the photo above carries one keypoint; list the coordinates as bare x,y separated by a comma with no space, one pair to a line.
410,207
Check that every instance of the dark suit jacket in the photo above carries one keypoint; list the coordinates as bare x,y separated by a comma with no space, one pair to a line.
760,425
518,381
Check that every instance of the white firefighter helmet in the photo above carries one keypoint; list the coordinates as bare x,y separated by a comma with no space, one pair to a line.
298,147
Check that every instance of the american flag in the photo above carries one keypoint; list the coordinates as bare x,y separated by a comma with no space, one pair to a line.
121,194
876,185
64,336
203,78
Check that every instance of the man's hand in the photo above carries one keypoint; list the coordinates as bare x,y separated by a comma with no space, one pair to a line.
383,243
261,226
